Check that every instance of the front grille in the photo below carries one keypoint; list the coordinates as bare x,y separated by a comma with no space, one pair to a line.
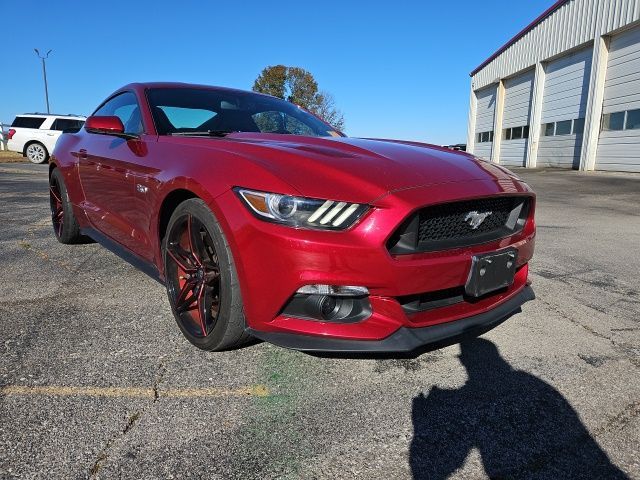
443,222
451,225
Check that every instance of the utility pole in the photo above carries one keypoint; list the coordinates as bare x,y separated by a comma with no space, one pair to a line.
44,74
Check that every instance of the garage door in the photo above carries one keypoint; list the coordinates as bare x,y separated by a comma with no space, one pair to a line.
515,120
485,113
619,145
564,106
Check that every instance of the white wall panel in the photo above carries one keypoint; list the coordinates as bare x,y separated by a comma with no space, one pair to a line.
485,118
513,152
622,87
565,98
483,150
517,102
575,23
569,32
485,111
567,87
620,150
561,151
517,111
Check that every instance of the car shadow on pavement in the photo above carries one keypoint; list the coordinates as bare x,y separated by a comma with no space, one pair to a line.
520,425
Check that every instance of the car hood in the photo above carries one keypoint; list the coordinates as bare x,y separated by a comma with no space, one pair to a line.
354,169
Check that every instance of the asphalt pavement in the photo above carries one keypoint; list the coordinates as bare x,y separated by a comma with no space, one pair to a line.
96,380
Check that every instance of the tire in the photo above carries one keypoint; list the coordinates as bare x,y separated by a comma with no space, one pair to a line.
36,152
65,225
201,279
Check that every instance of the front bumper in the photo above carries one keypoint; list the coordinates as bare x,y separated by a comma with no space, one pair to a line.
274,261
404,339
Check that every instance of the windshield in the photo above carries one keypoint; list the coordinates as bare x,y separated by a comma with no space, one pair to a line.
183,110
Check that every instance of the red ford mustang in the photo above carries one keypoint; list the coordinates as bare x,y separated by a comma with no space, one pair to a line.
263,221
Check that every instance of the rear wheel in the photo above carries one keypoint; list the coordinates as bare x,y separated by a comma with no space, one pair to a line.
37,153
201,279
65,225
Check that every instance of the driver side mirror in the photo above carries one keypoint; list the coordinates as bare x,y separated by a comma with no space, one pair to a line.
107,125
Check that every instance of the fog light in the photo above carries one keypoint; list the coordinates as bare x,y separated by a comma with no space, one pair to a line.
328,306
335,290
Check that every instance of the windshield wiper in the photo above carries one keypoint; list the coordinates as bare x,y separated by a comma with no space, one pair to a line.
204,133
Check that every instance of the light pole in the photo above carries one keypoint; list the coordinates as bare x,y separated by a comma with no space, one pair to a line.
44,74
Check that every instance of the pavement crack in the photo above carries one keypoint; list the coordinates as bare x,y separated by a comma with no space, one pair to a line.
131,422
104,453
162,369
551,275
619,421
622,347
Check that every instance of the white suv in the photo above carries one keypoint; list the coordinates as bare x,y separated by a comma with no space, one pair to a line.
35,134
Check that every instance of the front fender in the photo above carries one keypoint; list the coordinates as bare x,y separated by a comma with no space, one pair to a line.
64,157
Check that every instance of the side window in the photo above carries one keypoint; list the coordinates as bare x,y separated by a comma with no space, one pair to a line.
633,119
549,129
516,133
62,124
613,121
124,106
563,127
28,122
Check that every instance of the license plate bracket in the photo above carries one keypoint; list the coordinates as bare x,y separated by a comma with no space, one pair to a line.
491,272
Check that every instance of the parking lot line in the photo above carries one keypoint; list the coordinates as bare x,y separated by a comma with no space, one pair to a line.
133,392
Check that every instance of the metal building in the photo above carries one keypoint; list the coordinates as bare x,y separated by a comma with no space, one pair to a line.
564,92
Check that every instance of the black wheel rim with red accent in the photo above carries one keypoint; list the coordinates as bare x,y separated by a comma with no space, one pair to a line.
193,276
57,207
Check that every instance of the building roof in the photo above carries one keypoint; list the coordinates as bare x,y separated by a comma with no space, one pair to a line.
520,34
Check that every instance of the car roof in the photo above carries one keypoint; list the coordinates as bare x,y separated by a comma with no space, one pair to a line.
46,115
141,86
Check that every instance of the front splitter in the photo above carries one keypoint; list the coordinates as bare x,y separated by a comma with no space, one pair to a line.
405,339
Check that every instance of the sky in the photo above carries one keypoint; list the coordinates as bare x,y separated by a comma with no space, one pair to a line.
396,69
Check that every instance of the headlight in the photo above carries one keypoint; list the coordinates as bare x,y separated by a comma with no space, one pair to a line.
302,212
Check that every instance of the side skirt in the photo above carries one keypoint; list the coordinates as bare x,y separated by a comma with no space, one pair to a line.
125,254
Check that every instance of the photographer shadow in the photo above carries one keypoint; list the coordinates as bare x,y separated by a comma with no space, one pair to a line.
521,426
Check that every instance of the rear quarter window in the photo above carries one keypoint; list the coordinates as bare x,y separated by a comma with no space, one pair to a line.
27,122
66,124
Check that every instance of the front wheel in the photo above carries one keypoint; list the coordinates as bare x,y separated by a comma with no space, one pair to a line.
201,279
37,153
65,225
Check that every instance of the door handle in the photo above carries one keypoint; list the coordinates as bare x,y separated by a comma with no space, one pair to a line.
82,154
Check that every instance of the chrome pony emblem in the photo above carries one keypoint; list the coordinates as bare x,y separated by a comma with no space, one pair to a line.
474,219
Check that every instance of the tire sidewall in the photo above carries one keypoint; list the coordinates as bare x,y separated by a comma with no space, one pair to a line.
67,235
46,153
229,291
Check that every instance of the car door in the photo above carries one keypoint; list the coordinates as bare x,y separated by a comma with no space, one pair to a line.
48,134
107,166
